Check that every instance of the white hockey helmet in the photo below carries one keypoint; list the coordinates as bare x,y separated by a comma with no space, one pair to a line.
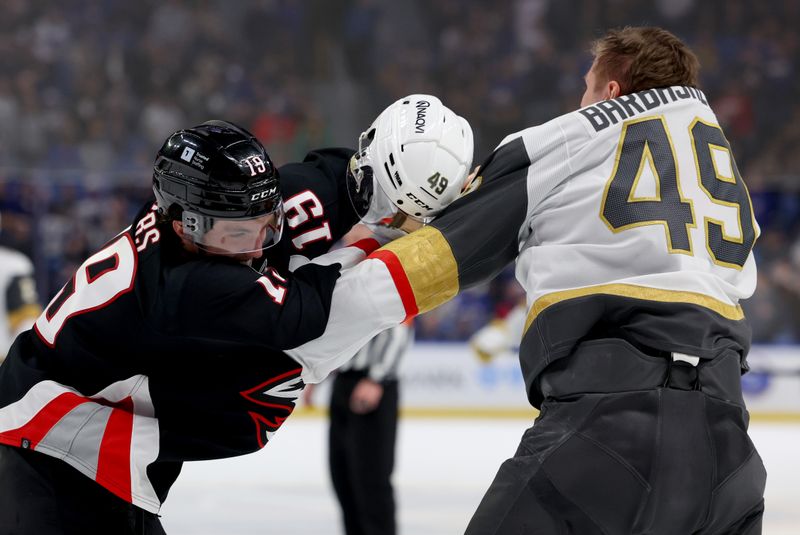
414,158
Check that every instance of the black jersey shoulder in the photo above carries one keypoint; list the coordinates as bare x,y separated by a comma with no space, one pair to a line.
322,170
318,209
217,301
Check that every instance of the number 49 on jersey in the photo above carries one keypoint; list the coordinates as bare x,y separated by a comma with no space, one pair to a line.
646,143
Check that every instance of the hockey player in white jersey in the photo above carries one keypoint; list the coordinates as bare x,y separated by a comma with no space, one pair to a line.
19,300
633,234
635,251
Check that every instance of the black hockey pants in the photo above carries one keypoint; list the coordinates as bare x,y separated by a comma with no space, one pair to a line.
661,448
41,495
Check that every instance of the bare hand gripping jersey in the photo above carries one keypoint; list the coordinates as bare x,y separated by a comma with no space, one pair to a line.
629,219
150,357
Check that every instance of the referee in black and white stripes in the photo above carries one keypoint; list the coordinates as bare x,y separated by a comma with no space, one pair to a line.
363,428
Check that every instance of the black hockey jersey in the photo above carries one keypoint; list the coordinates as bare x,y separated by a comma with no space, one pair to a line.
318,208
149,357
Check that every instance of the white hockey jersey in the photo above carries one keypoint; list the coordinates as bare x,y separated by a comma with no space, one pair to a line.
648,200
18,298
628,219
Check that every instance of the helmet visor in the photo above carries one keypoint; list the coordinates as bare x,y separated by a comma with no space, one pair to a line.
242,238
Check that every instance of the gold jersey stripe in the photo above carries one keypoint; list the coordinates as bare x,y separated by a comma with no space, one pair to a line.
25,312
430,266
731,312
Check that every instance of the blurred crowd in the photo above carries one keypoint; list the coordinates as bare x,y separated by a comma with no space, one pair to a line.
91,88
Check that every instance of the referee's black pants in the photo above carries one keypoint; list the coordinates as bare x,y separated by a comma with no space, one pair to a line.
671,457
42,495
361,455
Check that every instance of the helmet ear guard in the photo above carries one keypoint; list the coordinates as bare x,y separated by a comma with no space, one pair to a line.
419,153
195,225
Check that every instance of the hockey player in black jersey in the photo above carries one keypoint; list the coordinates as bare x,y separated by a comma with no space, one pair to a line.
166,345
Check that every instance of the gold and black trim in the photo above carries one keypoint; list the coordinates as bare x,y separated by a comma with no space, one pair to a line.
726,310
644,143
723,190
656,321
482,228
429,266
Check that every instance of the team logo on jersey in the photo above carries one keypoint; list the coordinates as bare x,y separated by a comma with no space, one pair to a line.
274,400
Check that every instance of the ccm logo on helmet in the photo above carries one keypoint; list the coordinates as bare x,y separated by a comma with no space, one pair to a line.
263,194
417,201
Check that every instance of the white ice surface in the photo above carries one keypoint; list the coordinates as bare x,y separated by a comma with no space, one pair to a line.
443,468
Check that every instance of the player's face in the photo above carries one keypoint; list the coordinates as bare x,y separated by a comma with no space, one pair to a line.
240,239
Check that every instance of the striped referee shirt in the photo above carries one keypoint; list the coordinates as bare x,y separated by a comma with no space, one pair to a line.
380,358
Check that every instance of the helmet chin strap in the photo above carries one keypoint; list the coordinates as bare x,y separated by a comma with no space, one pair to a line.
402,221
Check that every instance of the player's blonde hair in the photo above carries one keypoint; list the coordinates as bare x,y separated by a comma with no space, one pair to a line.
641,58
